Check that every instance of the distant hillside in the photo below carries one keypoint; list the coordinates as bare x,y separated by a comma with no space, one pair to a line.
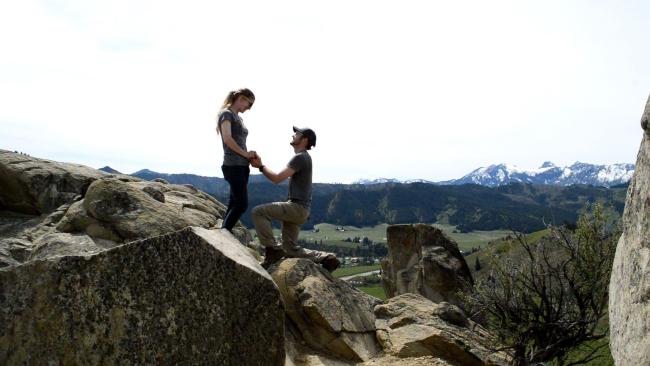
213,185
110,170
518,206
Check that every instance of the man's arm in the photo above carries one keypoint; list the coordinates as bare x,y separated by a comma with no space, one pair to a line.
275,178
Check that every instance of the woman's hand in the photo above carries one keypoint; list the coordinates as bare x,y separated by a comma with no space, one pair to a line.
252,155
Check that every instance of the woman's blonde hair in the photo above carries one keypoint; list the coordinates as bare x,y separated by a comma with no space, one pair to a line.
231,98
233,95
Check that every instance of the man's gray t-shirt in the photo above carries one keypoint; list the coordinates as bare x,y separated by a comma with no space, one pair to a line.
239,133
300,181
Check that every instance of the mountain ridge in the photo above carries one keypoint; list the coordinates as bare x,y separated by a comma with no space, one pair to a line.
607,175
495,175
517,205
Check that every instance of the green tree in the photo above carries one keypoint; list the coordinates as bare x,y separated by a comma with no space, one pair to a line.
549,297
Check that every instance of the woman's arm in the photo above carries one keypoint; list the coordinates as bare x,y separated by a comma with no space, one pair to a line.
226,134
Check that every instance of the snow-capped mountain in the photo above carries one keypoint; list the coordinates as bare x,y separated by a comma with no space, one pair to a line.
391,180
549,173
377,181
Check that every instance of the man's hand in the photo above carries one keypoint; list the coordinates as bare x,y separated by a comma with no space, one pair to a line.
256,162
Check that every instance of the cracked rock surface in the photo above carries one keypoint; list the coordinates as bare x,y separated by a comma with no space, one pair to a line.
629,286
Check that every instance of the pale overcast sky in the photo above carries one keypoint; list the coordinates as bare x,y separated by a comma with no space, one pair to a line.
401,89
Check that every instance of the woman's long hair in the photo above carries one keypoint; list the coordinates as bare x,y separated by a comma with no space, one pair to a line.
232,97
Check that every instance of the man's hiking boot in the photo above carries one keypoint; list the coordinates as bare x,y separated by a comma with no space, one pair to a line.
330,263
271,255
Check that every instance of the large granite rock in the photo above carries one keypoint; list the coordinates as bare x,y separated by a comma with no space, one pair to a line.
629,288
423,260
194,296
124,211
388,360
27,237
410,325
37,186
96,210
330,315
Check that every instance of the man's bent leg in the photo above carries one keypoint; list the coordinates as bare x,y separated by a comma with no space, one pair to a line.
290,214
290,245
262,216
295,216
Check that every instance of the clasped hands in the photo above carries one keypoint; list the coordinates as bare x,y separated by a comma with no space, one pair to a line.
254,159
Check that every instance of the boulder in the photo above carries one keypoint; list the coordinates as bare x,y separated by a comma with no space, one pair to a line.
124,211
629,287
64,244
130,212
36,186
194,296
299,353
413,361
423,260
410,325
40,187
13,251
330,315
20,234
109,211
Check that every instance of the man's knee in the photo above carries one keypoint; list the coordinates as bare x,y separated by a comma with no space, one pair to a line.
258,211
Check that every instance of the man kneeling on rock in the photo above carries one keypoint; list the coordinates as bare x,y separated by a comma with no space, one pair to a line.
295,211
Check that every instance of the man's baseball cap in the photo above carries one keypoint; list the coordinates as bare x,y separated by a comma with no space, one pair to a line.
308,133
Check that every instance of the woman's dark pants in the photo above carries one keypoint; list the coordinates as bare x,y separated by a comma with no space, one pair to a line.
237,177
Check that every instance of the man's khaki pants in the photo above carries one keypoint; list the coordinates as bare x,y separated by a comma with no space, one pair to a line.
292,216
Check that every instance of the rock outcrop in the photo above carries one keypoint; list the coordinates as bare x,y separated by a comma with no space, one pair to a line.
49,208
126,211
629,289
422,260
37,186
410,325
194,296
329,314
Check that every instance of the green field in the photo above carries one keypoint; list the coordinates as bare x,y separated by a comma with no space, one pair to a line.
472,239
329,235
349,271
376,291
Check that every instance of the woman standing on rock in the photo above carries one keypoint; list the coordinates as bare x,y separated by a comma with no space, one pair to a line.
236,158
